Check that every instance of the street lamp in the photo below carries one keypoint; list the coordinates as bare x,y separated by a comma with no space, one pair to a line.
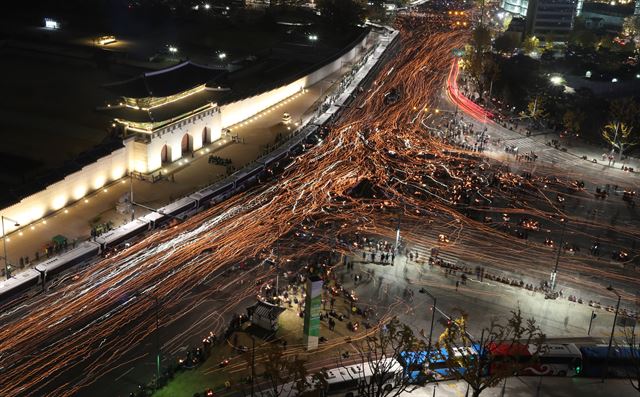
158,353
397,244
554,274
433,316
7,268
556,80
613,327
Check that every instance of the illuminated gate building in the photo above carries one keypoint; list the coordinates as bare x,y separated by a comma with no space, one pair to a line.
167,114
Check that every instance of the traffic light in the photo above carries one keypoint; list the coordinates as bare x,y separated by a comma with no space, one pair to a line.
577,365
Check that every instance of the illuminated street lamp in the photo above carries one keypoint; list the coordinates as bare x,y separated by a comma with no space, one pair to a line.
51,24
7,269
556,80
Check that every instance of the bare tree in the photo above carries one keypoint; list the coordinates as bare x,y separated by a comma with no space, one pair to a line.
633,359
284,375
471,360
620,136
374,353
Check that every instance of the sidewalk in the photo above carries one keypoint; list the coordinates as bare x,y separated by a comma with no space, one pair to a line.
578,148
574,146
481,300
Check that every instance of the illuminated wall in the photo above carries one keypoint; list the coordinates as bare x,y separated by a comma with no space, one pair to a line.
72,188
517,7
201,127
236,112
144,154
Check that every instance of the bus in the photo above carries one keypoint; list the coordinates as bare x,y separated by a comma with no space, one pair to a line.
558,359
419,372
346,381
623,361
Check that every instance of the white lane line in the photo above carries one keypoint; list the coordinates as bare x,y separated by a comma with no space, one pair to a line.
129,370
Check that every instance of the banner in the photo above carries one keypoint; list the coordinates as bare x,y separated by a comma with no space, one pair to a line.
312,312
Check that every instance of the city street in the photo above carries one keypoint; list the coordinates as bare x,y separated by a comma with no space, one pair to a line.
377,175
609,221
183,177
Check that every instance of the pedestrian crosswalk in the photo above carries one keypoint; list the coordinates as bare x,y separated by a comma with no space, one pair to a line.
421,254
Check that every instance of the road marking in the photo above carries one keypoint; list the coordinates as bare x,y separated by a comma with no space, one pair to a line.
129,370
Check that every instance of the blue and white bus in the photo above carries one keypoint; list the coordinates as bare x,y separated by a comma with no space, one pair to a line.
419,370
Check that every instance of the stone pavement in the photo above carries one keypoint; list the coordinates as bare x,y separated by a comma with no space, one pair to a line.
482,301
578,148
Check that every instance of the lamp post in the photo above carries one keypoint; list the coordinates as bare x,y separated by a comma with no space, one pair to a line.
397,245
133,210
433,316
613,328
554,274
157,312
4,245
253,363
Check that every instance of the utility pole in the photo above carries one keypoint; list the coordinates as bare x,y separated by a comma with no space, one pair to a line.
253,362
133,210
7,266
490,89
433,316
555,269
158,353
156,303
593,315
613,328
398,234
277,265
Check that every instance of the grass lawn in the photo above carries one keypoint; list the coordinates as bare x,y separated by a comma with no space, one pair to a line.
187,383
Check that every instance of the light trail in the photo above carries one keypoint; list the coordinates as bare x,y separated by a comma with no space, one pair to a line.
320,203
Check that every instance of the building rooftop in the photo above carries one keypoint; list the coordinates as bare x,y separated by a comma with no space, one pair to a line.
608,9
55,125
163,114
165,82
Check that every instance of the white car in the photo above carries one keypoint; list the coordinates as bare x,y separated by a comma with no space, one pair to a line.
286,118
